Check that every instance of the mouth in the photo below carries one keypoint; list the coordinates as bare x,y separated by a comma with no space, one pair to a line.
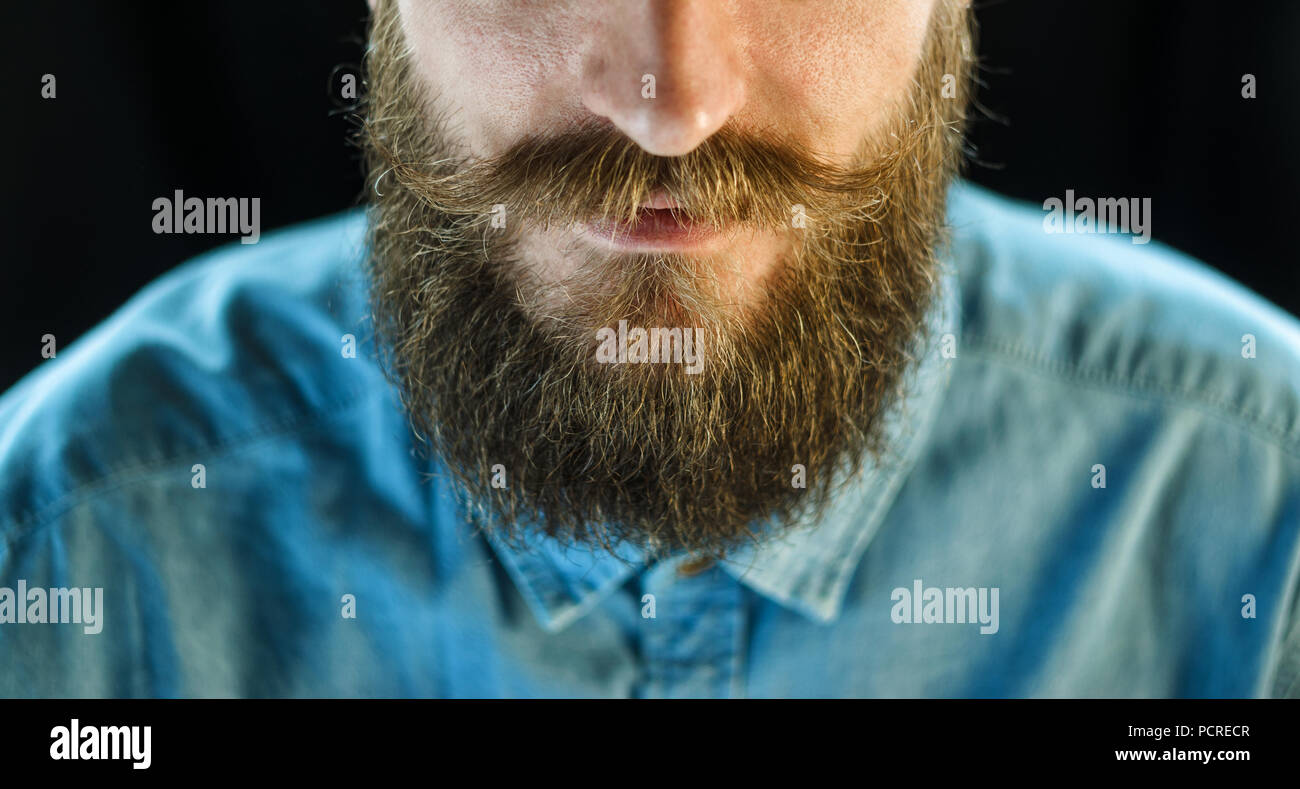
660,225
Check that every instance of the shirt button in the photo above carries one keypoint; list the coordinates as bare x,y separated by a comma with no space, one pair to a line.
694,566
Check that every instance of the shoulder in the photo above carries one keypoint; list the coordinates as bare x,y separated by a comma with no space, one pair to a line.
236,343
1128,414
1103,311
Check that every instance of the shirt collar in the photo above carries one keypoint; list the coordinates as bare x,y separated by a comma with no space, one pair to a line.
808,568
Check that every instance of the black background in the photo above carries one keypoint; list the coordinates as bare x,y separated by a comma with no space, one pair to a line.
1121,98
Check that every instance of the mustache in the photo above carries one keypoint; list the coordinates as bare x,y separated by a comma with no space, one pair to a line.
595,172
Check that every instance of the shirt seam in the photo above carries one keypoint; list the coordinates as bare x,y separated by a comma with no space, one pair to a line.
32,521
1135,386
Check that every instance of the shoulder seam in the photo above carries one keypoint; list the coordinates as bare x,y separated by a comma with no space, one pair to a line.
28,522
1135,386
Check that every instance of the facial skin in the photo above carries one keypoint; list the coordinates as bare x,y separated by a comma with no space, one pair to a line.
677,211
825,73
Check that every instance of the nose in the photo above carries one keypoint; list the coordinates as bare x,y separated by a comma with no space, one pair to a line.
667,73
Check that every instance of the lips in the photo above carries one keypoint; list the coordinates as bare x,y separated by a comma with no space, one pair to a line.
660,224
660,198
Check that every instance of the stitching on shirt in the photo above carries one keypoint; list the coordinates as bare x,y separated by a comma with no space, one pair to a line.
28,523
1137,386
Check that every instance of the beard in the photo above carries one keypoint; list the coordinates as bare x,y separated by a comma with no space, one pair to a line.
498,368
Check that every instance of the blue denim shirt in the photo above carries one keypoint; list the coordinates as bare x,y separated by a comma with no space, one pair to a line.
1095,491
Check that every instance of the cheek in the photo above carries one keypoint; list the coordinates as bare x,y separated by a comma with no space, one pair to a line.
829,73
839,70
499,76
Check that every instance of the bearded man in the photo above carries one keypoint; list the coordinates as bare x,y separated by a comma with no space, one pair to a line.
670,357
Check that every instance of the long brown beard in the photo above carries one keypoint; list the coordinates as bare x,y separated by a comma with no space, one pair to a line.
500,377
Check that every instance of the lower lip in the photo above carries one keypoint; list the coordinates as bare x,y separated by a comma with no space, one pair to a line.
654,229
